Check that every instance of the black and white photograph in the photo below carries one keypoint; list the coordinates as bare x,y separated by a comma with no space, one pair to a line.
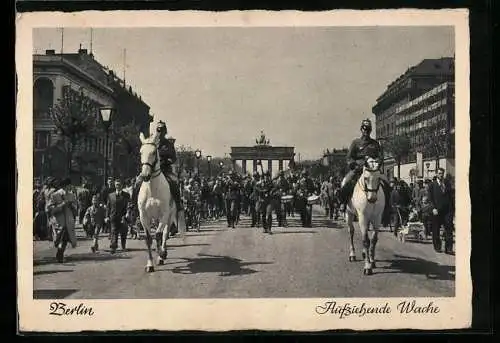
240,162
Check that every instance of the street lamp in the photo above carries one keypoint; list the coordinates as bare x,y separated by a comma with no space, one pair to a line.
106,114
49,156
209,159
197,154
221,165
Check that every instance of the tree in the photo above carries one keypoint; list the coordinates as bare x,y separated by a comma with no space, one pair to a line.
399,147
437,143
126,138
74,118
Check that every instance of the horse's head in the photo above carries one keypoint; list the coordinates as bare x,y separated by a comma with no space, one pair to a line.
371,179
149,155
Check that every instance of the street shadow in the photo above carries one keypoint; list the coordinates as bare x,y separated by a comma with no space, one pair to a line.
223,265
138,249
291,232
328,223
186,245
52,293
414,265
47,272
82,257
200,234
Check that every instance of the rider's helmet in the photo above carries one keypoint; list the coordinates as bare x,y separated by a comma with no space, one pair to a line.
161,127
366,124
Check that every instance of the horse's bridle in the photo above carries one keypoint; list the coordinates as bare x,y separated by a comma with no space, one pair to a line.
155,162
367,190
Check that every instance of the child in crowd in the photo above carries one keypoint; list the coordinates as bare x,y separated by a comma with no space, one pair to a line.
94,220
426,215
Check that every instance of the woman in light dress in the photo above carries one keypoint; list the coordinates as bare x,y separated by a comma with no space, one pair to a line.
62,208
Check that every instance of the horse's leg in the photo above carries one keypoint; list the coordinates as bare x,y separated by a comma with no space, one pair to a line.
161,239
363,226
373,243
149,241
350,224
374,238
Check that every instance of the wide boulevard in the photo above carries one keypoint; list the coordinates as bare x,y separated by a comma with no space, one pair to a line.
221,262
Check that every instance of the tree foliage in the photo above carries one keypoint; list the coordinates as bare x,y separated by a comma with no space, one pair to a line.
399,147
74,118
126,138
437,142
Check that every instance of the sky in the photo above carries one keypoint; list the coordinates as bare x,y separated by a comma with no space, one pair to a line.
219,87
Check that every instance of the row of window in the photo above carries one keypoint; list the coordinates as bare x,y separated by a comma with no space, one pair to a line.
401,120
422,121
42,140
97,145
423,97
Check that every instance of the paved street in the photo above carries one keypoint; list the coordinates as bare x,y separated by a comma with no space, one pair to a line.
220,262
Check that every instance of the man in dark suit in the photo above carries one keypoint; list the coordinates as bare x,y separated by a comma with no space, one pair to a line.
116,210
441,198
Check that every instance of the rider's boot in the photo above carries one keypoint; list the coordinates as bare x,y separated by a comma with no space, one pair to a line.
345,188
176,194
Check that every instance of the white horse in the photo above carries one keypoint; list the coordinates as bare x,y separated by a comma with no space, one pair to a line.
155,201
367,203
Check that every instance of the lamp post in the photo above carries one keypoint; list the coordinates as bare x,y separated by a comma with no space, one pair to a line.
106,113
209,159
197,154
49,156
381,142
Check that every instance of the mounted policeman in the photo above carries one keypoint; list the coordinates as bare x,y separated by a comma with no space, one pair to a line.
360,149
168,156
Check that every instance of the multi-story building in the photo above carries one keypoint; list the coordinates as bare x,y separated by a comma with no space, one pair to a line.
419,102
78,74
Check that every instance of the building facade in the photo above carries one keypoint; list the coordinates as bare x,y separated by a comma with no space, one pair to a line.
420,105
59,76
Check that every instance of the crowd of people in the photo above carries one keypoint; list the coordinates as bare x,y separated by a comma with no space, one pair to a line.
112,209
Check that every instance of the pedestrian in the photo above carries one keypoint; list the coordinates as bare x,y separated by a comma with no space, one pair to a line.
94,220
62,208
116,210
441,197
426,215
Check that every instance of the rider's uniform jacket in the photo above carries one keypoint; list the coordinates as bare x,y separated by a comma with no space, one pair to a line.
168,156
361,148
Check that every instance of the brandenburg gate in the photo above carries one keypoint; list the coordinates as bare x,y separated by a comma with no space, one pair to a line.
261,151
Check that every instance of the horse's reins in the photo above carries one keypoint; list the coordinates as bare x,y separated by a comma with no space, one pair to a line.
364,187
153,165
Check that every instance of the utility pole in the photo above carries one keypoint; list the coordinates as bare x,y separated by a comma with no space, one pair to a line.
124,66
91,39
